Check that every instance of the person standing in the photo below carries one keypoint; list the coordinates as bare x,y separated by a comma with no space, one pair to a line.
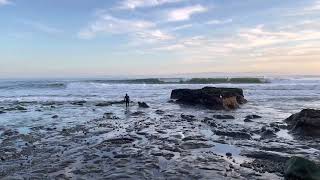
127,100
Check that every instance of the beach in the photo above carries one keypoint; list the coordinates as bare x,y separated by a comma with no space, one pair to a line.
79,129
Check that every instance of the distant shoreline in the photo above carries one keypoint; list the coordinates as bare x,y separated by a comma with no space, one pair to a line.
242,80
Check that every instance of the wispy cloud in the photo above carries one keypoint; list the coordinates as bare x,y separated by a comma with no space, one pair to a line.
5,2
307,9
257,44
259,36
314,7
182,14
133,4
217,22
178,28
42,27
139,30
154,36
106,23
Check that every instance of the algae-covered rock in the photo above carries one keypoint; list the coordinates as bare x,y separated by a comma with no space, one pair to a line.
298,168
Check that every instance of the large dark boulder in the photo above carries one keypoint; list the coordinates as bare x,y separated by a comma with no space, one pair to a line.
210,97
298,168
306,122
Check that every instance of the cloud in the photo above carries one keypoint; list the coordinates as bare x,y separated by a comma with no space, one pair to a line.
5,2
153,36
309,9
250,45
178,28
42,27
109,24
139,30
133,4
217,22
259,36
185,13
314,7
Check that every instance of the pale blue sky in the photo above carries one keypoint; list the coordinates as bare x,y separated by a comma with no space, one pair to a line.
51,38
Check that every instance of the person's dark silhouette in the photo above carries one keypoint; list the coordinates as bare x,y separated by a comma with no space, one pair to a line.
127,100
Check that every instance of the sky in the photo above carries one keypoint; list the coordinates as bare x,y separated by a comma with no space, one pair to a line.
70,38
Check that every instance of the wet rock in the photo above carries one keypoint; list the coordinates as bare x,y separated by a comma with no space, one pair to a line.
247,120
55,117
234,134
194,138
210,122
253,117
278,125
103,104
188,117
10,132
171,148
16,108
78,103
210,97
263,166
138,113
298,168
20,108
265,162
143,105
120,140
228,154
51,129
167,156
218,116
2,112
159,112
305,123
109,116
265,155
119,102
267,134
119,156
195,145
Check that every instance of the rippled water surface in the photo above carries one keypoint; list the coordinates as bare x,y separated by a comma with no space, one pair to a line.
82,141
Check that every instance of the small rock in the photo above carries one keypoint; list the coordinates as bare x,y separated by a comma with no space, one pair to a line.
55,117
103,104
138,113
223,117
247,120
20,108
2,112
267,134
143,105
228,154
159,112
253,117
10,132
187,117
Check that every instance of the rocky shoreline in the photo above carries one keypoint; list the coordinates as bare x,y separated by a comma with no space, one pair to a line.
145,142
